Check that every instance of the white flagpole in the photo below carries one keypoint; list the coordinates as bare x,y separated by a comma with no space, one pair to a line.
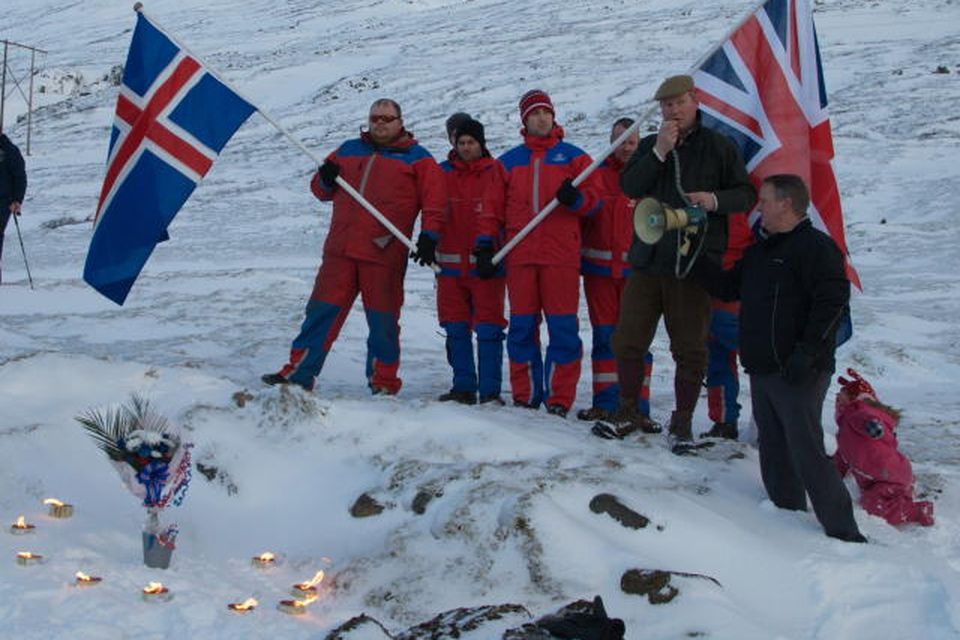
616,143
382,219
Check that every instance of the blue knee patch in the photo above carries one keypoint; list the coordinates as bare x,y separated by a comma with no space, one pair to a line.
565,345
384,340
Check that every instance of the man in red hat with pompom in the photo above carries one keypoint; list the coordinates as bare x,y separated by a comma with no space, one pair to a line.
543,270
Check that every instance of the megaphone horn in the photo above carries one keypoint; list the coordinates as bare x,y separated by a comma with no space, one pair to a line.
651,219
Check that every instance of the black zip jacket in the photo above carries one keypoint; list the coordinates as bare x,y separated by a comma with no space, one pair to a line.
708,162
13,177
792,290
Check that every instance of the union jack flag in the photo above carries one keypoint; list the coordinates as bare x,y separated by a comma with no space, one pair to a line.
764,88
172,120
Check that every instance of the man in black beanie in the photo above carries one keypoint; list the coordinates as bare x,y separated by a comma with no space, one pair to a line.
454,122
466,303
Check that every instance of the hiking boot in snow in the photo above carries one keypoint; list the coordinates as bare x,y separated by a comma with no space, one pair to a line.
594,414
274,379
627,419
726,430
557,410
681,427
492,399
463,397
525,405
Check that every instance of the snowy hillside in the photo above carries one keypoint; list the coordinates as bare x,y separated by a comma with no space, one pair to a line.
482,505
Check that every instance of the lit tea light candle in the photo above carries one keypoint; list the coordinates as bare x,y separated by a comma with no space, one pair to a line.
59,509
246,606
295,607
308,588
26,558
156,592
264,560
83,580
21,527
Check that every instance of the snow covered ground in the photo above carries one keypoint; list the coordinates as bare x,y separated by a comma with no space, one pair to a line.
509,521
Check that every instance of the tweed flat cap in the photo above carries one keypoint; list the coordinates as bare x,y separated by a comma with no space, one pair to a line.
674,86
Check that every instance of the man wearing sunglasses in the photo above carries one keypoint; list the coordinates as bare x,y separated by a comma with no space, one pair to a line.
360,256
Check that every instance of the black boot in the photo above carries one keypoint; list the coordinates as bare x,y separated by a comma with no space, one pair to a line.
726,430
463,397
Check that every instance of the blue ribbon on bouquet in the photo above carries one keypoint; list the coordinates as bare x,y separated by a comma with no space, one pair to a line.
153,477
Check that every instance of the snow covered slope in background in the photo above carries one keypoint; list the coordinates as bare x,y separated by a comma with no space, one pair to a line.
509,521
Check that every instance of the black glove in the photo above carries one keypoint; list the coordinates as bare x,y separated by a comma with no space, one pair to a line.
798,369
485,267
567,194
585,626
328,173
426,253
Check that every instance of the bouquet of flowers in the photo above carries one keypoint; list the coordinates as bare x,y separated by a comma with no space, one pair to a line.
152,460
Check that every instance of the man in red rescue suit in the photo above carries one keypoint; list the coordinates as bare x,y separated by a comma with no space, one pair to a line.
543,270
466,303
603,263
400,178
723,380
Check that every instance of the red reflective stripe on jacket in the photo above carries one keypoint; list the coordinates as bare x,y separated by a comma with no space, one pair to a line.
556,240
474,190
609,232
400,181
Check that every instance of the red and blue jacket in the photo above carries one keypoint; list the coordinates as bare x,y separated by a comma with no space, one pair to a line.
400,180
535,170
474,189
608,235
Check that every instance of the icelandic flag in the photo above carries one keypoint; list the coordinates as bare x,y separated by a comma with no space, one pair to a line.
173,118
764,88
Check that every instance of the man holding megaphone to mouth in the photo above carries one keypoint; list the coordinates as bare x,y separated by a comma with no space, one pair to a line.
696,178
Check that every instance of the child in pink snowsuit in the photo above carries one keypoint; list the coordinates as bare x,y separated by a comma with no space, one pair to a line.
867,447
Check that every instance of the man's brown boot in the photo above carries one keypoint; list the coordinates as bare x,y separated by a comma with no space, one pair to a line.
628,419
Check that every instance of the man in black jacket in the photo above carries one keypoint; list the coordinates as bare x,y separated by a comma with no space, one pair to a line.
13,183
793,293
711,176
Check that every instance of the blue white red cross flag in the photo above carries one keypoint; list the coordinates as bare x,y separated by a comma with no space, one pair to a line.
764,88
173,118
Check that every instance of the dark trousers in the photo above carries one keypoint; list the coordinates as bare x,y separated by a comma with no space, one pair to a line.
793,462
685,308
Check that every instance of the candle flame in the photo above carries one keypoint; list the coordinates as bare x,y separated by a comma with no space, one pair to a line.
21,523
54,502
246,605
312,582
305,601
154,587
299,604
